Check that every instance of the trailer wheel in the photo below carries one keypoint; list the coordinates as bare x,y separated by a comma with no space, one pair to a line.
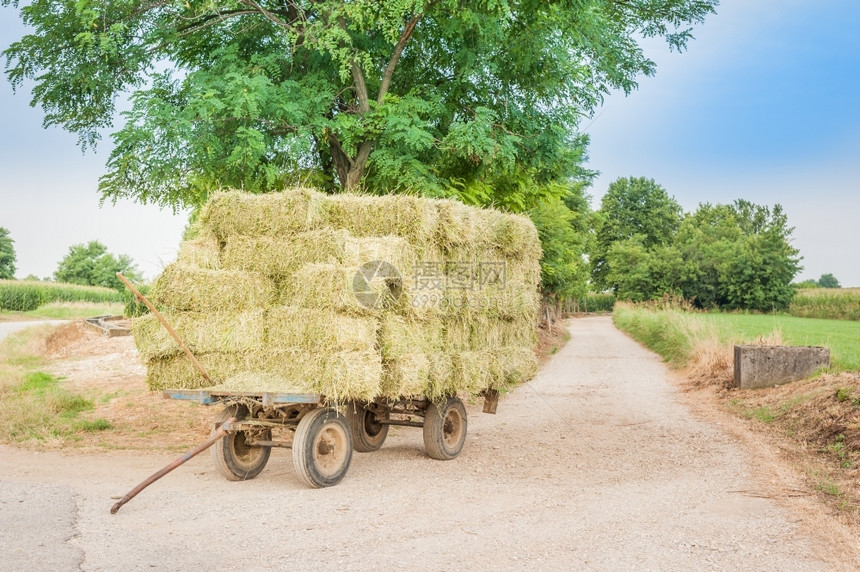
368,434
322,448
234,459
445,429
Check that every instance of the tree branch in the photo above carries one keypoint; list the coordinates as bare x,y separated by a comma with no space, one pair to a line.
395,57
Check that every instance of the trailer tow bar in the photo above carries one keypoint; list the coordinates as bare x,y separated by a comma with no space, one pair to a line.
220,432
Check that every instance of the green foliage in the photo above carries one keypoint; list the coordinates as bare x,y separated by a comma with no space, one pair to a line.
27,296
7,255
736,256
637,210
563,230
828,281
93,265
478,100
590,303
830,304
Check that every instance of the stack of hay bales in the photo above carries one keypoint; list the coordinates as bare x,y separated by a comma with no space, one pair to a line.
265,297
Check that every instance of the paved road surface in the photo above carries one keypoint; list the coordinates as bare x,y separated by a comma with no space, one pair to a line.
594,465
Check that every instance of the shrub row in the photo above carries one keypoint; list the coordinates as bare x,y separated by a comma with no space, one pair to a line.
20,296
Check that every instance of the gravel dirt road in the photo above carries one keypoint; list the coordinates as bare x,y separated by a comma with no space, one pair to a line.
597,464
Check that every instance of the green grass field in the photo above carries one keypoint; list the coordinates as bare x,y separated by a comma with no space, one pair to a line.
841,336
674,334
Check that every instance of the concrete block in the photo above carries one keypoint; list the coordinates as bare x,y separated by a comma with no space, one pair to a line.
763,366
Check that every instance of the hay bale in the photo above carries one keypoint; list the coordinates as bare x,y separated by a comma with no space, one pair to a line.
480,331
177,372
186,288
335,287
202,332
517,365
406,376
399,336
279,257
515,235
477,229
204,251
321,331
492,266
273,214
282,257
419,375
406,216
339,376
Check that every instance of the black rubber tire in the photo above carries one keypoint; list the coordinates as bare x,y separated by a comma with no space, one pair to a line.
235,460
368,434
322,448
445,429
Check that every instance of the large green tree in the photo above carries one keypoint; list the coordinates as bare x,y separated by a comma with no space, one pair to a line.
7,255
631,208
736,256
92,265
477,99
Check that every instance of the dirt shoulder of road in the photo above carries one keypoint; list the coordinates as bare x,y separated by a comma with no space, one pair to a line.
790,477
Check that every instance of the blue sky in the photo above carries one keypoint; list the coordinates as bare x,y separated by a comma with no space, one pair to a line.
764,105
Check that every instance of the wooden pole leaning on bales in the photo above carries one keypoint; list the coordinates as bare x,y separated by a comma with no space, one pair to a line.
164,323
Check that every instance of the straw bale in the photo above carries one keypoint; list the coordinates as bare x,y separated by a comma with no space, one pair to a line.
318,330
263,382
202,332
482,229
419,375
517,364
409,217
278,256
408,376
198,289
481,331
272,214
399,335
394,250
204,251
515,235
490,265
333,287
459,225
177,372
339,376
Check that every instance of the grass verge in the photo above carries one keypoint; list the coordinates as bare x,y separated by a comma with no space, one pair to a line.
35,408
